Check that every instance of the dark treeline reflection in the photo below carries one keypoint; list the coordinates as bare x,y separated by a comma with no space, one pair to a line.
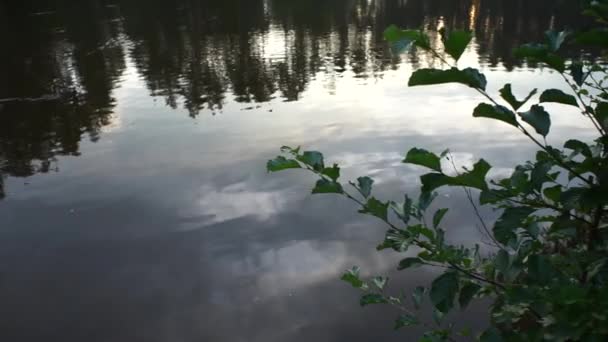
61,60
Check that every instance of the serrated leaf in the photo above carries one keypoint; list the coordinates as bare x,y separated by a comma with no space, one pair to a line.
456,42
281,163
438,217
558,96
406,320
471,77
472,179
538,118
372,298
409,263
376,208
424,158
507,94
444,290
313,159
501,113
332,172
468,291
325,186
509,221
365,186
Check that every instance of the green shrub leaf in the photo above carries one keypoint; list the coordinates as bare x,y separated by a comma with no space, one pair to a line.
424,158
541,53
372,298
507,94
468,291
406,320
352,277
438,217
558,96
538,118
376,208
332,172
509,221
324,186
456,42
484,110
281,163
471,77
365,186
444,290
313,159
471,179
409,262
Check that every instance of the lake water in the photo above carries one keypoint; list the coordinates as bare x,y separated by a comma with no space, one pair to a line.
133,142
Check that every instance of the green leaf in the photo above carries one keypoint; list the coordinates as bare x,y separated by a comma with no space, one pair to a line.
594,37
553,193
444,290
397,239
579,147
332,172
471,77
502,261
538,118
372,298
507,94
501,113
539,174
418,296
376,208
556,39
472,179
424,158
313,159
352,277
601,114
576,71
509,221
281,163
409,262
456,42
558,96
406,320
540,268
541,53
325,186
365,186
468,291
380,282
425,199
438,217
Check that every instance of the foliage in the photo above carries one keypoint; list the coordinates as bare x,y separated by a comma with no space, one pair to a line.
547,274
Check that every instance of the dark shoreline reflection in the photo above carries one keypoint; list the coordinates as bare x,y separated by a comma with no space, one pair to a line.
202,55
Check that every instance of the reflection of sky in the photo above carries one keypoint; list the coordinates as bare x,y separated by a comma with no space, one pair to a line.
169,229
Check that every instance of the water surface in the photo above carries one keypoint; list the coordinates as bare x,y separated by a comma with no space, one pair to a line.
133,142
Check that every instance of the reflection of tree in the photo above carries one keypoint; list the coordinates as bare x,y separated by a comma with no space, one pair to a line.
200,54
68,62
